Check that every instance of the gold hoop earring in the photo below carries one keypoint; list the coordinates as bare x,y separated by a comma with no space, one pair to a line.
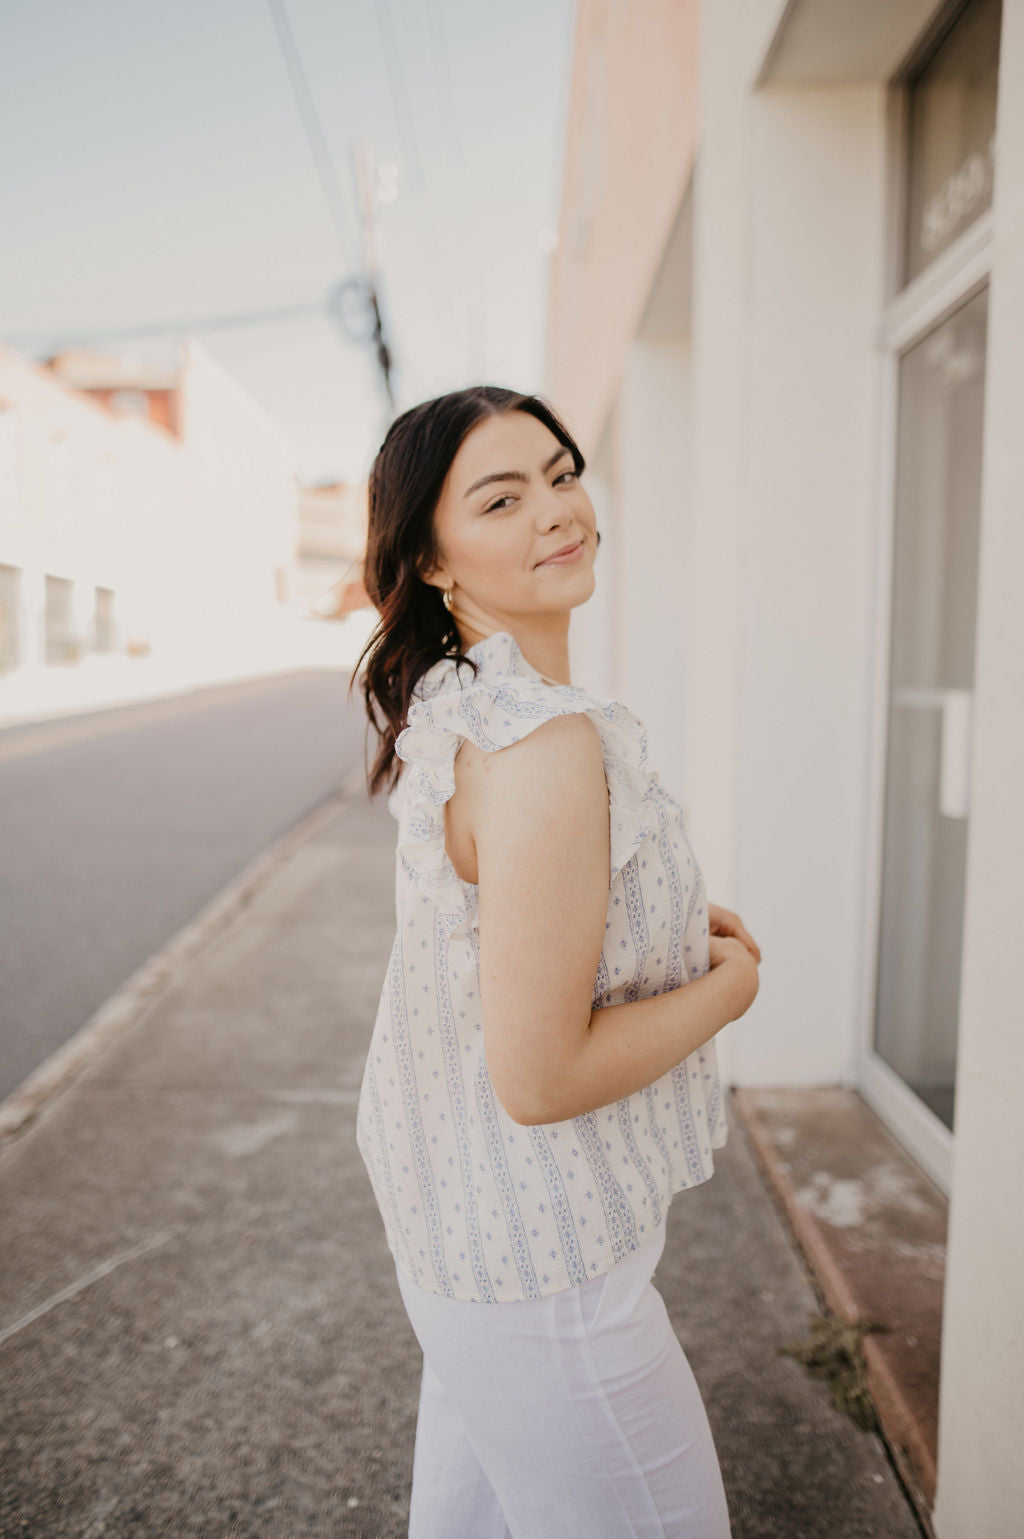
446,598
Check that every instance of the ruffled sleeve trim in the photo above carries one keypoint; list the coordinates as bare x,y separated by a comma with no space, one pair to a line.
496,710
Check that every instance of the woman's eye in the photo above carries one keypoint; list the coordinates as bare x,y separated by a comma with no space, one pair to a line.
497,504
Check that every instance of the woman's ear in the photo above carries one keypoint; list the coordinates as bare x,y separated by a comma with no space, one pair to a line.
434,575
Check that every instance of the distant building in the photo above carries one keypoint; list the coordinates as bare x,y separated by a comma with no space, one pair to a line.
139,511
328,577
125,389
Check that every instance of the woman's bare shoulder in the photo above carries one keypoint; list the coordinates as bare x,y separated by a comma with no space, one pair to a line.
561,756
571,741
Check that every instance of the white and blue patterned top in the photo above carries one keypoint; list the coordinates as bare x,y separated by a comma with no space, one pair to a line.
476,1206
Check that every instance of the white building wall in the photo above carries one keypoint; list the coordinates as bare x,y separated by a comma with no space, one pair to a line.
744,491
712,595
243,503
807,492
656,493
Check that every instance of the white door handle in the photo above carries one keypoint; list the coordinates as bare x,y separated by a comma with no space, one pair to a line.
955,761
955,781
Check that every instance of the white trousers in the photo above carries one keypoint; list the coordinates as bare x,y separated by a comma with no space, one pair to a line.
575,1416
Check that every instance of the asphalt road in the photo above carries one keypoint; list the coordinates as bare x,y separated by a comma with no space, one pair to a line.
117,826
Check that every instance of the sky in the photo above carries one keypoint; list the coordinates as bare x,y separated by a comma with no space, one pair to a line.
156,173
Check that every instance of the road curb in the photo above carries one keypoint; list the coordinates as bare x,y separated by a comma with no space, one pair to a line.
127,1007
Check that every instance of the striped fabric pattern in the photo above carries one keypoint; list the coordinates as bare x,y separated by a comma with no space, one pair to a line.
474,1205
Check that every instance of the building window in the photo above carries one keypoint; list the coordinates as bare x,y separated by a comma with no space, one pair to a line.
10,616
104,626
10,502
60,634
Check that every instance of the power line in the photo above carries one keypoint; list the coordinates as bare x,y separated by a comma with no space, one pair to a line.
399,94
314,133
445,95
405,117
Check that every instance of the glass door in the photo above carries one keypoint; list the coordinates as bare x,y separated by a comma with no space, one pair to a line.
943,153
931,683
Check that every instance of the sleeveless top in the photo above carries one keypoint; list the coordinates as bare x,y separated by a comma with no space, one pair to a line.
476,1206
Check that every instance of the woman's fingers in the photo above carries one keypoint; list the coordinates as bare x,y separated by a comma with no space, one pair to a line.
722,921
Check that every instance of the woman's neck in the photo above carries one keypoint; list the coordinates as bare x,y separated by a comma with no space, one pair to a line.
546,651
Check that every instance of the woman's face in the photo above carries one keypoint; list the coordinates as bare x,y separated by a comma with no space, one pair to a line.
510,500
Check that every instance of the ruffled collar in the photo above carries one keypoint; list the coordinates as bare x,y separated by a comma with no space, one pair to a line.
497,654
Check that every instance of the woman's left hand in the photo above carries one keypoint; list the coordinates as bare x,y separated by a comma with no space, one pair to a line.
722,921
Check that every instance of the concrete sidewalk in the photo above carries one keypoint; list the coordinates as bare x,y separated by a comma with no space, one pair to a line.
200,1328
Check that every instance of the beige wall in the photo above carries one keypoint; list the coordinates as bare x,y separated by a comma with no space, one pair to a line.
631,140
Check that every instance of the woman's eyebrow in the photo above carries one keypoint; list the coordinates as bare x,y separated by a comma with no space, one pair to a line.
513,475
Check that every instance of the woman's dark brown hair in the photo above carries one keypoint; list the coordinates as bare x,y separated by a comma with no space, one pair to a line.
415,630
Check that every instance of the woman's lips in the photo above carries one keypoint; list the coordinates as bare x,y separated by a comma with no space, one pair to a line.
570,555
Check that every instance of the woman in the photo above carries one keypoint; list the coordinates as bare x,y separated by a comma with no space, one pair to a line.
541,1077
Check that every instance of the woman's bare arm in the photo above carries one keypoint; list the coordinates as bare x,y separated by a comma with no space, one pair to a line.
538,812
